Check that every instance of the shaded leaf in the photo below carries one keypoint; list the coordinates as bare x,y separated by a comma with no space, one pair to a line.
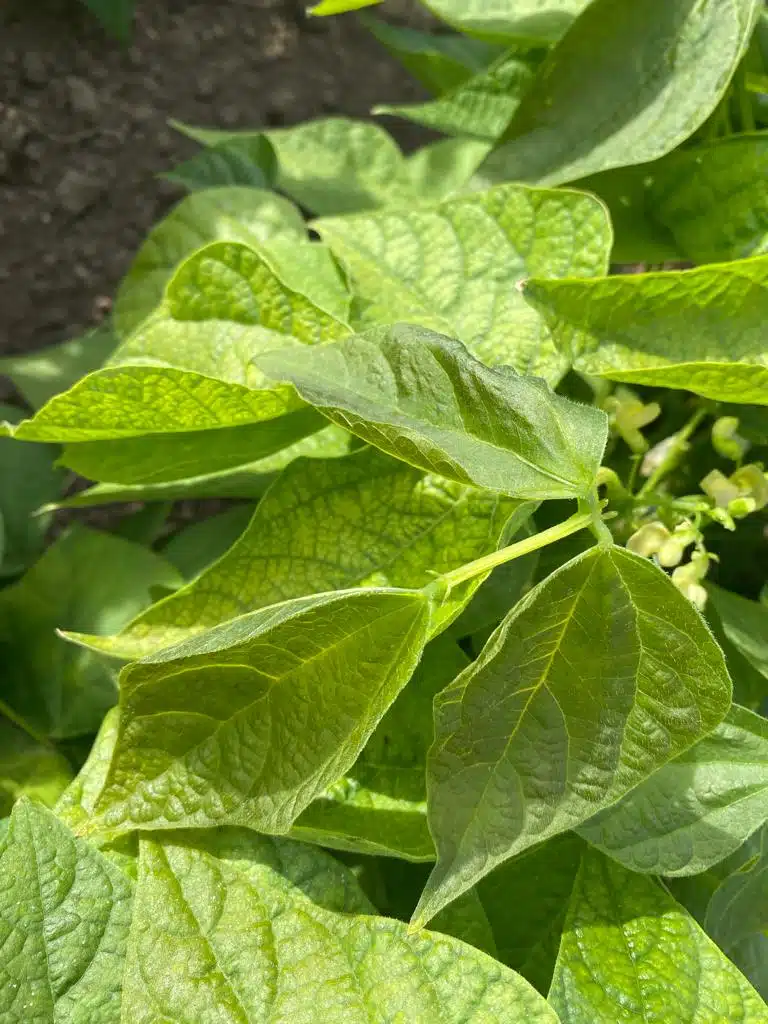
30,768
423,398
745,624
115,15
631,954
590,109
60,689
540,21
299,687
366,520
738,909
457,268
700,330
259,929
597,678
250,162
198,545
697,809
65,914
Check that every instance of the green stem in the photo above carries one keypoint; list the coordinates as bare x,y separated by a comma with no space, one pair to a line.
24,726
673,456
746,114
577,522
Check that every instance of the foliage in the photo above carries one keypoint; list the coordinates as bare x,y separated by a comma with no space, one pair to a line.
481,641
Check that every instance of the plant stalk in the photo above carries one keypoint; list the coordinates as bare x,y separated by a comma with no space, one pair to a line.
579,521
673,456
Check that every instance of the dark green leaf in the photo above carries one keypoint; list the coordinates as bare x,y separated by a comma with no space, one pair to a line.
196,547
598,677
29,767
41,374
250,162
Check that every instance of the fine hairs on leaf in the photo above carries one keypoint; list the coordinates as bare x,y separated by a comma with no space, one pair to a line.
384,580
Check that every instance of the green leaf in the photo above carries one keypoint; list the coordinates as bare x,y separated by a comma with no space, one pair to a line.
631,954
41,374
250,162
380,805
699,330
328,7
248,481
540,21
457,268
424,399
439,61
480,107
76,803
590,108
745,624
739,907
58,688
65,914
28,479
149,424
224,214
115,15
697,809
440,169
242,928
366,520
251,721
597,678
30,768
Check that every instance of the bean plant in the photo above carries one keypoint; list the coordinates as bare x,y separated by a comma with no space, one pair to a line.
455,709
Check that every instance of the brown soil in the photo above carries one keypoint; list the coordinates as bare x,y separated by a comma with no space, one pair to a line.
83,130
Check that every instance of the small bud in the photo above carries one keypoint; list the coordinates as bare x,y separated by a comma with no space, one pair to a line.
740,508
648,539
671,553
718,487
753,483
723,517
629,415
727,441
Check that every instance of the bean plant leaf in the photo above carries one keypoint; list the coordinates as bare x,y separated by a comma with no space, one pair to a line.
43,373
700,330
197,546
456,268
66,912
697,809
366,520
480,107
441,169
439,61
329,7
380,806
745,624
77,801
59,689
424,399
115,15
540,21
249,162
622,935
30,767
223,214
259,929
739,906
251,721
597,678
166,424
589,109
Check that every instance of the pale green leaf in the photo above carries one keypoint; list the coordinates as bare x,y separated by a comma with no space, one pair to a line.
439,61
440,170
540,21
249,722
423,398
65,912
76,803
249,162
457,268
240,928
224,214
700,330
480,107
380,806
328,7
87,581
29,767
43,373
597,678
630,954
166,424
697,809
366,520
745,624
248,481
591,108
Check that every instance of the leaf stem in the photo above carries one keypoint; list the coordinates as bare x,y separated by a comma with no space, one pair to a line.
579,521
676,451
